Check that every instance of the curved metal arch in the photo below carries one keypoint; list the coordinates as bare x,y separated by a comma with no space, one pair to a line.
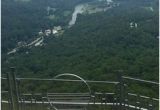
74,75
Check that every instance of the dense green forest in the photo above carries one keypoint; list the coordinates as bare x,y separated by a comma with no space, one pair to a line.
22,20
94,48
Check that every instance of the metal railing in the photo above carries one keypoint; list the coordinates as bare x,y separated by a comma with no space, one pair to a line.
120,99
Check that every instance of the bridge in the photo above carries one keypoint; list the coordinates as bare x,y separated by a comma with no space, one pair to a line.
15,97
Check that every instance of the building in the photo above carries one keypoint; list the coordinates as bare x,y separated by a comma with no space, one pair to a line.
133,25
47,32
40,33
58,28
54,31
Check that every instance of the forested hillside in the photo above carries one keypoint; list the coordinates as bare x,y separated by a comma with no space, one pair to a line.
94,48
21,20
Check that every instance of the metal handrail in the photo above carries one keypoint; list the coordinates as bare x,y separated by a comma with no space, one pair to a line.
140,80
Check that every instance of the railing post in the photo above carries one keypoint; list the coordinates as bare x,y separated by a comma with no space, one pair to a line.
13,89
10,91
138,102
150,104
125,96
116,96
120,89
93,97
